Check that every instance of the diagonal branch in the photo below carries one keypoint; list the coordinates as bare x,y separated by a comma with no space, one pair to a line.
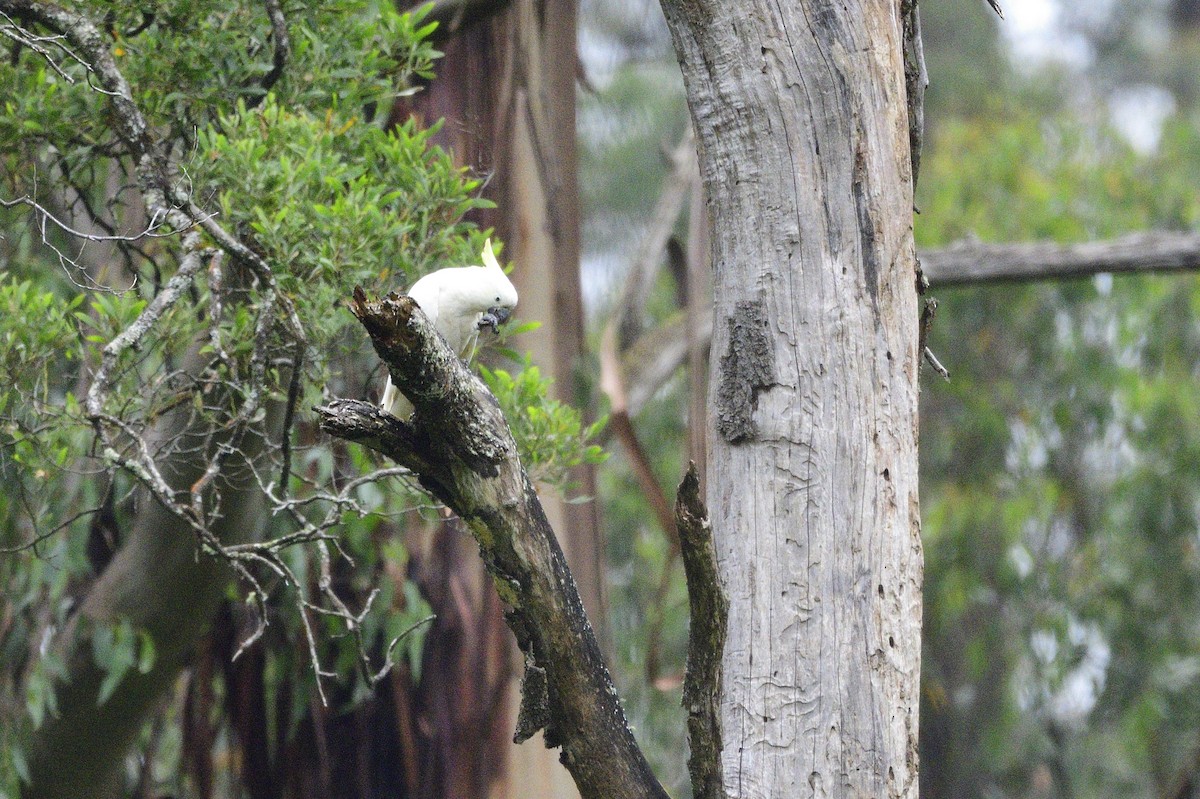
612,383
462,451
644,269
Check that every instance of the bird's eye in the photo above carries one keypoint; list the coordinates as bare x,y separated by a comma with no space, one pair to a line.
497,299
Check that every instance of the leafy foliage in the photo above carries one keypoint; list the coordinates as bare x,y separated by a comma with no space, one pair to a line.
551,434
1058,475
288,150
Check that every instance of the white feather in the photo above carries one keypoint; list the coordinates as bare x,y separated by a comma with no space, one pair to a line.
454,300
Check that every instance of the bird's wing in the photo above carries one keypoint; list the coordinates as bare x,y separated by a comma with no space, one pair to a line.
427,294
458,318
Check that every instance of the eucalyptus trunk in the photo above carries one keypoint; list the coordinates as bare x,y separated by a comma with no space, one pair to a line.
802,127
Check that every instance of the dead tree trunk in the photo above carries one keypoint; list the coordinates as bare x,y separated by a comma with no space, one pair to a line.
800,115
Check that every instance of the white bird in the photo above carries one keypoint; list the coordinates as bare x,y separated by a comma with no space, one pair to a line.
459,301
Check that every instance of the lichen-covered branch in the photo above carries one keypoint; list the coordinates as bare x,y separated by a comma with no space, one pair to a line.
461,450
709,608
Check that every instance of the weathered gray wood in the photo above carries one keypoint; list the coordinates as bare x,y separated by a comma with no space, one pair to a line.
800,115
461,449
975,262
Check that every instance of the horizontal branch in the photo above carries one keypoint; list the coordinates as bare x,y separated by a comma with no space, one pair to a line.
655,356
460,448
975,262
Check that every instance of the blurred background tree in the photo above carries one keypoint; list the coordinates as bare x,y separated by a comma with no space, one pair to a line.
1058,468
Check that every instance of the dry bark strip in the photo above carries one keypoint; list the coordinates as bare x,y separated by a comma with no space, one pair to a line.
460,447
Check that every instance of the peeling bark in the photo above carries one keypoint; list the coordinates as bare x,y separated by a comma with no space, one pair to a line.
747,367
461,450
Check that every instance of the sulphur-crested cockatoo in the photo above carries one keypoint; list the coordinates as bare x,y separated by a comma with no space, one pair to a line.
459,301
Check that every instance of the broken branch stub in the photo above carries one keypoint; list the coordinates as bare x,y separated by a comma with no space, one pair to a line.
709,608
461,449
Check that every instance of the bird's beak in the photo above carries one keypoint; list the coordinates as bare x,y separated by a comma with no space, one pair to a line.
494,318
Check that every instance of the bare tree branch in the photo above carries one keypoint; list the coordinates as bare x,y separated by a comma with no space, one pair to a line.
650,252
655,356
612,383
462,451
151,231
10,29
622,328
976,262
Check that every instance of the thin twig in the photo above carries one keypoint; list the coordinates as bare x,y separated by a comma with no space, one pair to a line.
289,417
